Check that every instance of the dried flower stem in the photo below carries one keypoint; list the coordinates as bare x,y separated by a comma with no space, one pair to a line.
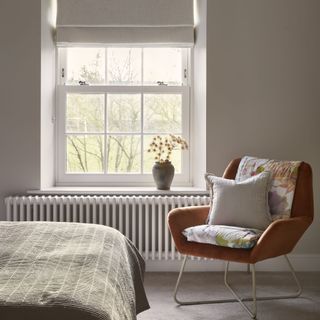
162,147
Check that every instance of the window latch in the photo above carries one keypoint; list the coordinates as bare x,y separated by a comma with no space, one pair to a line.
185,73
83,83
161,83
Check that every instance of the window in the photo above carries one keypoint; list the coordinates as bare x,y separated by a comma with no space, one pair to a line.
111,103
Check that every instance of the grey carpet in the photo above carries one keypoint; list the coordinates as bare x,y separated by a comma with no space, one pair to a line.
159,287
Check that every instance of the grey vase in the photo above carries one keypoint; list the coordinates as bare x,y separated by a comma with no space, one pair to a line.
163,175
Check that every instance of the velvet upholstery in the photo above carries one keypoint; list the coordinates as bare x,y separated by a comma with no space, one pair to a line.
271,244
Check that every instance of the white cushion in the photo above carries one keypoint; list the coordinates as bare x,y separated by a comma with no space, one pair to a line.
242,204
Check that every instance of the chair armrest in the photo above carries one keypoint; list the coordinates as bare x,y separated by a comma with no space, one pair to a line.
182,218
280,237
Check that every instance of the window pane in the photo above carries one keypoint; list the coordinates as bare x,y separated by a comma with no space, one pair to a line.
149,157
86,64
162,113
85,113
124,112
162,64
123,154
85,153
124,66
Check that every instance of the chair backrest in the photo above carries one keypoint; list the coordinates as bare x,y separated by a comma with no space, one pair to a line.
303,196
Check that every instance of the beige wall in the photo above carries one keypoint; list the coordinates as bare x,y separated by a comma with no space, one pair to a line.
27,65
19,97
199,96
48,82
263,86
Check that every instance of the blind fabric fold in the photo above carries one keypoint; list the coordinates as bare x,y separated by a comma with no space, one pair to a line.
145,22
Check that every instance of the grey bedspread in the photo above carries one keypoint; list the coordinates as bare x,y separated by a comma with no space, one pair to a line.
70,271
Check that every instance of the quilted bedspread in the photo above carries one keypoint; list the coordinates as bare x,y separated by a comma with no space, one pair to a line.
60,271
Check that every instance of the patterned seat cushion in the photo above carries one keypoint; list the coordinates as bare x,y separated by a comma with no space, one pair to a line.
226,236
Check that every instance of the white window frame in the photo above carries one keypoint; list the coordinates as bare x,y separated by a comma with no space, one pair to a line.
118,179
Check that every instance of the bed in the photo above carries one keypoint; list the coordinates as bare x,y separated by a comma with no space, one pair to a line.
52,270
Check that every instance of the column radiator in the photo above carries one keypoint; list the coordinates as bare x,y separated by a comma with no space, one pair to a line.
143,219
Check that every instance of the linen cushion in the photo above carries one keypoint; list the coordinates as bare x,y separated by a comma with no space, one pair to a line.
242,204
226,236
284,175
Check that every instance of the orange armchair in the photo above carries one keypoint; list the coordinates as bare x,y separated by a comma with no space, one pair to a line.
271,244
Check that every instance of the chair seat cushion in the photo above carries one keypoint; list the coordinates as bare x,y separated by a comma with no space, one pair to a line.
221,235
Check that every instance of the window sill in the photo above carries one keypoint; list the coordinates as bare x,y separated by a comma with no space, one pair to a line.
118,191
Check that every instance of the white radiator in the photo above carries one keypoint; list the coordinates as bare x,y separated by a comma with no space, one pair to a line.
143,219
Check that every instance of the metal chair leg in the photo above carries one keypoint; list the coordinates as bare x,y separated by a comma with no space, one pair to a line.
237,298
194,302
252,313
178,283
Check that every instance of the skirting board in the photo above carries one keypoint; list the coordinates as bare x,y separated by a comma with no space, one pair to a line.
300,262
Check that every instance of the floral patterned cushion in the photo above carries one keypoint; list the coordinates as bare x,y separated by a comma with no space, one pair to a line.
284,177
226,236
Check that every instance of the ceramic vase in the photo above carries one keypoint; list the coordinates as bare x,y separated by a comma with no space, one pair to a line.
163,174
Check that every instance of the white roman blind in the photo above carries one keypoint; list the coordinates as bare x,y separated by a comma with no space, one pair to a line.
119,22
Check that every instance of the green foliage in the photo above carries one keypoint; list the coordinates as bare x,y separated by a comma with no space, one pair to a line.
162,113
85,153
123,154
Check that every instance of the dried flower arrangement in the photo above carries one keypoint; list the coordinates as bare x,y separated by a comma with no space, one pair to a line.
162,147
